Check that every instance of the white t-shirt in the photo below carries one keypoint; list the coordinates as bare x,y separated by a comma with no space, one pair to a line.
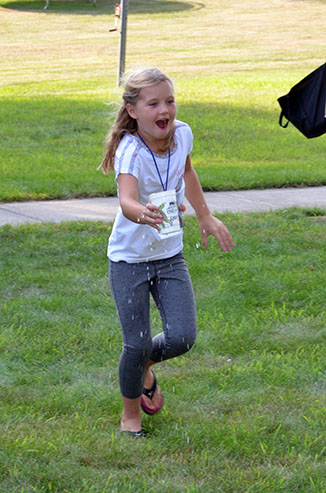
133,242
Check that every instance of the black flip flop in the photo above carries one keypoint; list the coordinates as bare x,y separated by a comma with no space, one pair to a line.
150,393
135,434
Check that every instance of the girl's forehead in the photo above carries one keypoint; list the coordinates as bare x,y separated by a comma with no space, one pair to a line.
162,89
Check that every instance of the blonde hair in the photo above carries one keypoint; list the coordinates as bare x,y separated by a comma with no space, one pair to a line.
124,123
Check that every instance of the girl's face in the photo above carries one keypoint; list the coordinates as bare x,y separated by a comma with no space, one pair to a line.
155,112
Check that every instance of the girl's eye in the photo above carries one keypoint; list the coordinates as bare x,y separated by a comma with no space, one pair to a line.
153,104
171,101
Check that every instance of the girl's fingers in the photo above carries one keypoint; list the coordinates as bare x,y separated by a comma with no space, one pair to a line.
217,229
151,216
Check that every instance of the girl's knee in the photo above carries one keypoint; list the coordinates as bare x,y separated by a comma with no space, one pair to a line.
140,352
184,343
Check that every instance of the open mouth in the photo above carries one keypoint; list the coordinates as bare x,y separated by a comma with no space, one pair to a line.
162,124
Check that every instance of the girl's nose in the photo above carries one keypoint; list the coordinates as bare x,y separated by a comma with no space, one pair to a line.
163,108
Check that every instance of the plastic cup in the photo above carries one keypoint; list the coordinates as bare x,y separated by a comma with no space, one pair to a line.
168,207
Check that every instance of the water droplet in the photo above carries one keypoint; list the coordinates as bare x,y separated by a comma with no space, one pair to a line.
198,245
188,439
173,389
141,333
129,301
133,317
204,231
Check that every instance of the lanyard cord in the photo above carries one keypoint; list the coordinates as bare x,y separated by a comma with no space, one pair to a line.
158,171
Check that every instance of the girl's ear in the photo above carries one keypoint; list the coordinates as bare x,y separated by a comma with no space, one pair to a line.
131,111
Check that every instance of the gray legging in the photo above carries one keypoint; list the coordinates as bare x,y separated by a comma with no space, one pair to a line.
169,283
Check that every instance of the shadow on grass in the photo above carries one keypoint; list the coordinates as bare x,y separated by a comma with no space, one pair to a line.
103,7
61,143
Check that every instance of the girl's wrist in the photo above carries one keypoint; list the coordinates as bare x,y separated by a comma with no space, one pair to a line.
202,212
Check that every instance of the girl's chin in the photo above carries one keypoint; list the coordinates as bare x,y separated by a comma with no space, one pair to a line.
163,132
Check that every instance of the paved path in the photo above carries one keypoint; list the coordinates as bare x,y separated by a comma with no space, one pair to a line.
104,209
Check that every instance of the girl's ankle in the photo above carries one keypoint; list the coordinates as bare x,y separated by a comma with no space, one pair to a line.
149,378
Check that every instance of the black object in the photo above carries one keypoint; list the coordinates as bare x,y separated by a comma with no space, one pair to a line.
304,105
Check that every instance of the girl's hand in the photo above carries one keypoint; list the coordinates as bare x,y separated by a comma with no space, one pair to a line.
181,210
213,226
151,216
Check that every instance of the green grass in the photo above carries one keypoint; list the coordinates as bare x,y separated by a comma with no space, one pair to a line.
245,409
230,62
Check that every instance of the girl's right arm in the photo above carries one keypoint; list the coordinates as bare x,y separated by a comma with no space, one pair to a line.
132,209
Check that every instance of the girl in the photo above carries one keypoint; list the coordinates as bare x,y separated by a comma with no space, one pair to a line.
149,150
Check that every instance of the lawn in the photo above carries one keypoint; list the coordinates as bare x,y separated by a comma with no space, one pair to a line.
245,409
230,62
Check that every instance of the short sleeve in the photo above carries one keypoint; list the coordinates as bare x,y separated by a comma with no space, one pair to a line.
186,135
126,157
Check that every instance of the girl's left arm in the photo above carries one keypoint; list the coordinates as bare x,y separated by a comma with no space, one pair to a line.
209,225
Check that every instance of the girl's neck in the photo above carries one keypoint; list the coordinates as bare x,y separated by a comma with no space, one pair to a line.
157,146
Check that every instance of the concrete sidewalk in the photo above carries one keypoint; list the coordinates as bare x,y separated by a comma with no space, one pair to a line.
104,209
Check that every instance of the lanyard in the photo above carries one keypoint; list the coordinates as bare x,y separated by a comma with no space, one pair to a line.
158,171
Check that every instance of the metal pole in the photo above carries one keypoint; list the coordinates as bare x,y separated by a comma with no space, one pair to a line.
123,37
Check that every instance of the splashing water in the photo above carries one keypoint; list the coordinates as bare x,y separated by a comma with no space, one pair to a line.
198,245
